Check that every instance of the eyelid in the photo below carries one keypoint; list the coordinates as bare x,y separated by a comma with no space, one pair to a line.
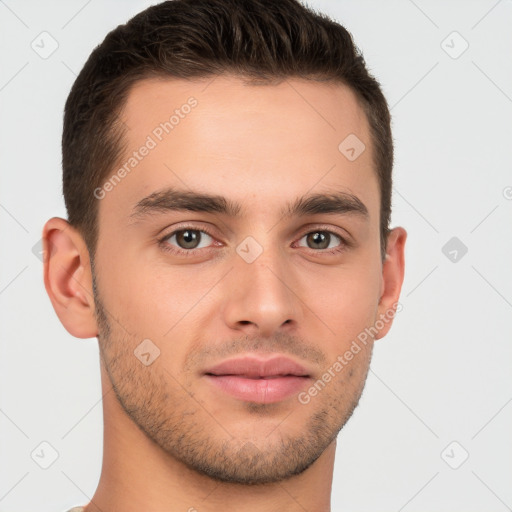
176,229
345,236
312,228
195,225
342,233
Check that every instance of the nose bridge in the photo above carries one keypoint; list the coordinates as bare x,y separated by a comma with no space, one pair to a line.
261,292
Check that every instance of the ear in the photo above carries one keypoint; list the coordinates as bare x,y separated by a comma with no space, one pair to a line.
68,279
393,270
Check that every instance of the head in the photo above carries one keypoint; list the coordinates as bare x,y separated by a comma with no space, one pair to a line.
214,212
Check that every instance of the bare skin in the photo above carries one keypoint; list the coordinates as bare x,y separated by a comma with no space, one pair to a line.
172,441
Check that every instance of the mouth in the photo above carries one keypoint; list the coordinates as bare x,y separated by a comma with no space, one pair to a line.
252,379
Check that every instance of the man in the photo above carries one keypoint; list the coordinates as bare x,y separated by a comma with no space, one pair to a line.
227,176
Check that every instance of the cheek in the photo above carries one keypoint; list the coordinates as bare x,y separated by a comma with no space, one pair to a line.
155,302
144,294
347,300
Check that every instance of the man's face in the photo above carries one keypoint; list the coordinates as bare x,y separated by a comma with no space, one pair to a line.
211,286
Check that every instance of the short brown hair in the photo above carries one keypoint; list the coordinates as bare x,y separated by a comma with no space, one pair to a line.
263,41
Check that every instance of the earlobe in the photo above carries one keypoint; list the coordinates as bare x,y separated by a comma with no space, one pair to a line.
393,270
68,279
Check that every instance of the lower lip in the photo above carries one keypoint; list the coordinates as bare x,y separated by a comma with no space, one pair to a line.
264,391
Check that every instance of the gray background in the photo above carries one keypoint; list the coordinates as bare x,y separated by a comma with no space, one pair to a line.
439,388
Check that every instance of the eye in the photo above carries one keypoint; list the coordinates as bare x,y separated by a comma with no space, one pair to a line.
324,240
185,241
188,240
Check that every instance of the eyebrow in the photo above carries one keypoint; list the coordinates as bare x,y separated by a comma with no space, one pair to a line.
172,199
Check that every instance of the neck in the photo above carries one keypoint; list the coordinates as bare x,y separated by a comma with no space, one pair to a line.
138,475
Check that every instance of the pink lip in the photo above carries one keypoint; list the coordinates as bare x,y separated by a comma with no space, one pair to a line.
259,380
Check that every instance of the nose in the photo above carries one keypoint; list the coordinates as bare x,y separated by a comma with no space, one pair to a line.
260,298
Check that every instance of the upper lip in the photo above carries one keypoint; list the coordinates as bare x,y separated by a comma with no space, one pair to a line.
255,367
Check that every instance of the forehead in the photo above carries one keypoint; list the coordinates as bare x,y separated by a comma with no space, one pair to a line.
219,135
303,108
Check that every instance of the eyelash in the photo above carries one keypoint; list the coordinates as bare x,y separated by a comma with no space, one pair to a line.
192,252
